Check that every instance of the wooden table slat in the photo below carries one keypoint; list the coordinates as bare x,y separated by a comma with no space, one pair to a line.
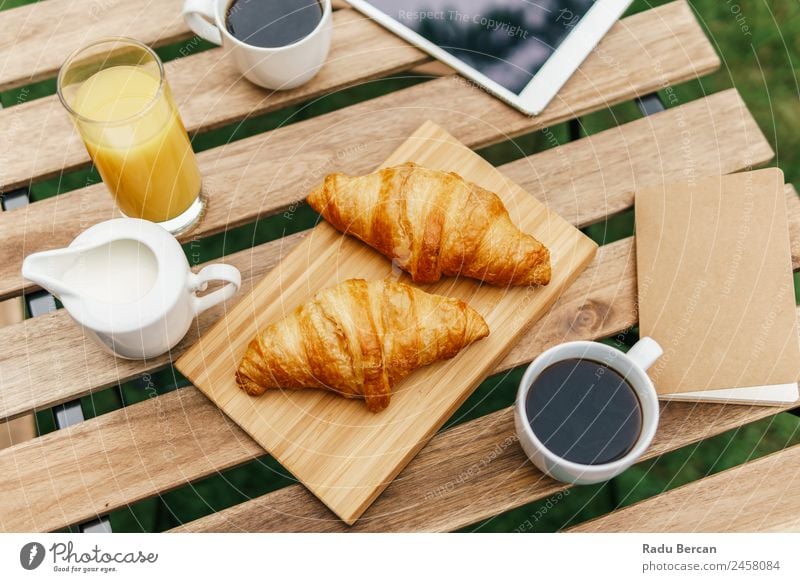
35,38
22,428
33,51
268,173
162,443
463,476
759,496
48,361
209,91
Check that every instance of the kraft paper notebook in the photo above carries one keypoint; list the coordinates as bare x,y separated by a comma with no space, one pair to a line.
716,288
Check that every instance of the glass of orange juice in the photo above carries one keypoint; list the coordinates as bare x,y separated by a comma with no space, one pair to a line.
118,97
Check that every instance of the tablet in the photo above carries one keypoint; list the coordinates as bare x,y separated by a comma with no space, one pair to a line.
523,51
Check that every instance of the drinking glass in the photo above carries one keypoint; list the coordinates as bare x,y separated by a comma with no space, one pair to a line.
121,104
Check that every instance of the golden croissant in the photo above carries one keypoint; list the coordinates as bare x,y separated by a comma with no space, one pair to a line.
359,339
433,223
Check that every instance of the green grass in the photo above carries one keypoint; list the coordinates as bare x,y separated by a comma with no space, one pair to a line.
760,61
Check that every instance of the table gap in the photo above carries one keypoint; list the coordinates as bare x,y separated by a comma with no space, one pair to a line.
148,385
525,145
45,422
797,288
612,228
47,87
189,502
9,4
320,105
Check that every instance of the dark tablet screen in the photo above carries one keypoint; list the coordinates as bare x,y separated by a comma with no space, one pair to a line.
506,40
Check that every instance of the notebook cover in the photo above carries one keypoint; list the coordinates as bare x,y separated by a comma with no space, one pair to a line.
716,288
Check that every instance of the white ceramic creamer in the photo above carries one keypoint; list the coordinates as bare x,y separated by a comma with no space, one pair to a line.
128,284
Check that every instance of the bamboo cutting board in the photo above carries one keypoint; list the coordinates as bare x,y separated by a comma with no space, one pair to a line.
344,454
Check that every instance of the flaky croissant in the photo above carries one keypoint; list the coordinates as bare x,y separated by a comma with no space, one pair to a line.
359,339
433,223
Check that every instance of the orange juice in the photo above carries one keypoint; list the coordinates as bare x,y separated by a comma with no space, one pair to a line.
137,141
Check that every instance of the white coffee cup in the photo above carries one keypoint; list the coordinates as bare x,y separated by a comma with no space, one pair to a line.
632,367
283,67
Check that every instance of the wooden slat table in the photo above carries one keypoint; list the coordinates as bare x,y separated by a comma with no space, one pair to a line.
272,171
756,496
140,451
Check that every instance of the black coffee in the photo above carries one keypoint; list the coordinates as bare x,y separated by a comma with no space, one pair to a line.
584,411
272,23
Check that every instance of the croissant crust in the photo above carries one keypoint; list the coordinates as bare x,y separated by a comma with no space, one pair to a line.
358,339
433,223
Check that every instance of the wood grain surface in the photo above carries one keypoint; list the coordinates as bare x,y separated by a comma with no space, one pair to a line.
270,172
465,475
345,454
759,496
584,181
35,39
22,428
171,440
164,442
209,91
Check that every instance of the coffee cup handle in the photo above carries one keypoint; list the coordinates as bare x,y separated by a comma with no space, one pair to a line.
199,15
645,352
200,281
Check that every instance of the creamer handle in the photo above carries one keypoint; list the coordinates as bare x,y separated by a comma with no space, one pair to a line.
200,281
